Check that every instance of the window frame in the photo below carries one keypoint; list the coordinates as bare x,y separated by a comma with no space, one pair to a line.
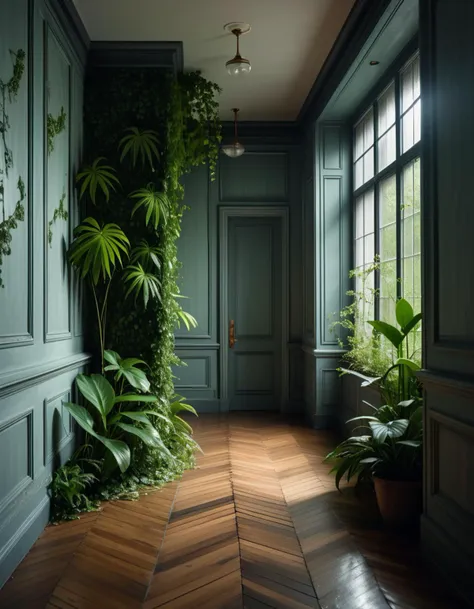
392,75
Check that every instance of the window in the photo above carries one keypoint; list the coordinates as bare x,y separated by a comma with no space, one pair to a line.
386,160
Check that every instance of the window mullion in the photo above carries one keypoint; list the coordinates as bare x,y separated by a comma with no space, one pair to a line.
398,174
376,210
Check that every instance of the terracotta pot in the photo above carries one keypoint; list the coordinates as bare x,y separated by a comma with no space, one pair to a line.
399,501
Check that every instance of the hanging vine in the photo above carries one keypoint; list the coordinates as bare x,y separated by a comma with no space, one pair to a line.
54,127
8,94
60,213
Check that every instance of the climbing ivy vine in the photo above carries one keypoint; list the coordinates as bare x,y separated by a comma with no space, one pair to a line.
8,94
60,213
55,125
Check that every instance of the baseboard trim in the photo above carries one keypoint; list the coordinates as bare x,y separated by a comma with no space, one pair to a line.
19,545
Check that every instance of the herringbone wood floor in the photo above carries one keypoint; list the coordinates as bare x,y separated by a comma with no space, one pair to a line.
258,524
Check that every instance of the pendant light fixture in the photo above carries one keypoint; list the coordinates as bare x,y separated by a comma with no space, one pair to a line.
235,149
238,65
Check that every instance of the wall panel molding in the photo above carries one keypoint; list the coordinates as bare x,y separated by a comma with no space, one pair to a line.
33,375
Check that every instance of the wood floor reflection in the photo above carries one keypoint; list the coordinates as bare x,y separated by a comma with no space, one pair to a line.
258,524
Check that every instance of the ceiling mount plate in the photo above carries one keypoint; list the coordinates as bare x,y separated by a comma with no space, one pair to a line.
237,25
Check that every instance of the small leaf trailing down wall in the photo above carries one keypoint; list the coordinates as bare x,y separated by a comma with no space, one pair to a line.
55,127
60,213
8,94
9,223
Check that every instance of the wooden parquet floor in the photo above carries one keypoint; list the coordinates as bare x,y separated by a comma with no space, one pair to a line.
257,525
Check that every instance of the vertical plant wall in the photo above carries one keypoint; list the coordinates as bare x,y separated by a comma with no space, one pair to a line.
143,130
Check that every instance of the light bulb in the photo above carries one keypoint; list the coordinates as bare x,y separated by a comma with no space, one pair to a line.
238,65
233,150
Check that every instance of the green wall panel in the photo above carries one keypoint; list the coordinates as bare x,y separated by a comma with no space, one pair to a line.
41,345
16,325
194,250
58,88
255,176
447,132
267,174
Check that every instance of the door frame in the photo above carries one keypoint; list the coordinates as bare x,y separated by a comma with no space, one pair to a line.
244,211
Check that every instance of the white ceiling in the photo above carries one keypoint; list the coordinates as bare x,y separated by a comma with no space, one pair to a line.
289,41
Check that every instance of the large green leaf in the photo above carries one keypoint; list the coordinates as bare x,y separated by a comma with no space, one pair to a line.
98,391
409,327
119,450
403,312
82,416
135,397
393,334
142,283
148,435
367,380
146,255
155,203
96,176
391,429
409,363
140,143
179,405
127,368
96,250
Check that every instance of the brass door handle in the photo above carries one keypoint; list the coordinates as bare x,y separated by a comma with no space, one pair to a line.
232,339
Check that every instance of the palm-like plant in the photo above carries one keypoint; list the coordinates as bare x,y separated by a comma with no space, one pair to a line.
142,283
187,319
140,143
146,255
95,252
97,176
155,203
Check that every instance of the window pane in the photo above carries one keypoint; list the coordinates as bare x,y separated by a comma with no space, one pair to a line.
388,201
368,165
410,84
364,134
359,174
369,212
386,110
387,149
411,232
359,217
364,221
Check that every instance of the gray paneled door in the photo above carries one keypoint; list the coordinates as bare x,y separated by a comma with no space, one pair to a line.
255,313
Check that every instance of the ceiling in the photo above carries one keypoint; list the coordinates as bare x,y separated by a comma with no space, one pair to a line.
287,46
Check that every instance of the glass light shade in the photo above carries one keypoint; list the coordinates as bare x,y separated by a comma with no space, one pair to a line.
238,65
233,150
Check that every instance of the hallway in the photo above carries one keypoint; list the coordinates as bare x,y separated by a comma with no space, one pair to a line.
258,524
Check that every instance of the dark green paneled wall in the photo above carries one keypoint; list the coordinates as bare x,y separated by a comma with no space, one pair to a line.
327,256
41,348
266,175
447,68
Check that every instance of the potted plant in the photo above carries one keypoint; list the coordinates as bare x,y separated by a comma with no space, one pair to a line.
390,453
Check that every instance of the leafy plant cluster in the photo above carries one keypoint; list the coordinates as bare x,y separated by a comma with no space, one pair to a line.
143,132
8,94
392,448
60,213
366,350
55,125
